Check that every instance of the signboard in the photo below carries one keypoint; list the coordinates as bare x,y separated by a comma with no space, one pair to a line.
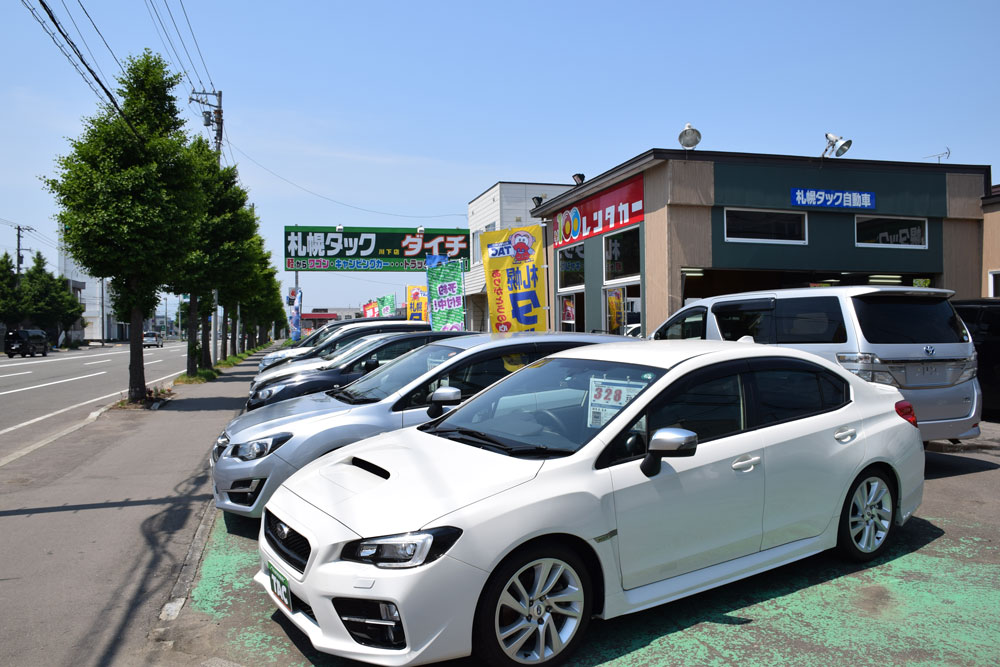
370,309
608,211
515,279
832,198
295,319
416,303
616,310
370,248
387,305
445,300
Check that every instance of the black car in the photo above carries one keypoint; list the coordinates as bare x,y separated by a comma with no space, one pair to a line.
26,342
367,357
982,316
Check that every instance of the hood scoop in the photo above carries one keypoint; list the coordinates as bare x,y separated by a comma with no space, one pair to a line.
370,467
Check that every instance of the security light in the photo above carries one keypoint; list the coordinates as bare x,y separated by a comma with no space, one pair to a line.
537,201
689,137
835,145
578,178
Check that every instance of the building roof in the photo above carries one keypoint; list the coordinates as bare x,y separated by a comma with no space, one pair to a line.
560,185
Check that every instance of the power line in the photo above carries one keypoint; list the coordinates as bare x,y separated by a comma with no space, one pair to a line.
340,203
83,39
180,38
151,4
62,48
197,46
101,35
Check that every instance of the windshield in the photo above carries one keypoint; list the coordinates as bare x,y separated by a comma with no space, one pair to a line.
551,408
908,319
354,349
399,372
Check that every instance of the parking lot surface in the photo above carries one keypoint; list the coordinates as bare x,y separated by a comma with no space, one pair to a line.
933,599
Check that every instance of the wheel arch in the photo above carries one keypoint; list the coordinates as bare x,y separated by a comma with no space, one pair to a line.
893,478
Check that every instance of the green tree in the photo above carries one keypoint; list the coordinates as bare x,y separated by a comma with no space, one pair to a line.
129,196
11,312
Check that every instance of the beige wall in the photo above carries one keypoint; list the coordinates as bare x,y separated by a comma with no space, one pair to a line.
655,247
991,245
962,257
965,193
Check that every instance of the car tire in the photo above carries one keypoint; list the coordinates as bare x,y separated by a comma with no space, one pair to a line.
10,355
45,350
505,635
31,351
867,521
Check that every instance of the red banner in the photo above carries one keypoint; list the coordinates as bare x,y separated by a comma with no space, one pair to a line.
608,211
371,309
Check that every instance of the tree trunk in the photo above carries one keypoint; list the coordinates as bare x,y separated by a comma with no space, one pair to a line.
192,328
235,333
136,369
224,332
206,341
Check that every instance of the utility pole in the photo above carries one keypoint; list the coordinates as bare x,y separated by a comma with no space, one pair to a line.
20,257
102,312
210,118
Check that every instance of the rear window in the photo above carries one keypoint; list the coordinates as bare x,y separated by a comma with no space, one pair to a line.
810,320
908,319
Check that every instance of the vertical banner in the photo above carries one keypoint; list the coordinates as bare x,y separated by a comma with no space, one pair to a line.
616,310
296,315
387,306
445,300
515,278
416,303
371,309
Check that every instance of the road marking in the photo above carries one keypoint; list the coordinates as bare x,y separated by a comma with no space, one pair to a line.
30,448
49,384
102,361
75,357
150,363
21,373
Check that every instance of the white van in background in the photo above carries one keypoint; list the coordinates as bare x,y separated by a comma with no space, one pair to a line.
907,337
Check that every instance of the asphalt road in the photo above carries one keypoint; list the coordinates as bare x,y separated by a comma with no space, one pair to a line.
42,396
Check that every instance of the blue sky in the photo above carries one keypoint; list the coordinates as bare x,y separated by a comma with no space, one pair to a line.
416,108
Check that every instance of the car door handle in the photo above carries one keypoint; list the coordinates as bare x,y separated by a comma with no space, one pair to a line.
746,463
845,434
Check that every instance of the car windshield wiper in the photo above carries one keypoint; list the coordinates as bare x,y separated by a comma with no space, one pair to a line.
541,449
478,437
342,395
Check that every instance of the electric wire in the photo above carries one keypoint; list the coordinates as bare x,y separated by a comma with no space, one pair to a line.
62,48
180,38
80,2
151,4
196,45
340,203
83,39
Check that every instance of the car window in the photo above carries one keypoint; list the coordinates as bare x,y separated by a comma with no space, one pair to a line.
809,320
785,394
908,319
989,323
690,324
969,315
734,325
709,405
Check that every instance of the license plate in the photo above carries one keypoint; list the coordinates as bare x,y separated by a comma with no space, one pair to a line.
926,373
279,586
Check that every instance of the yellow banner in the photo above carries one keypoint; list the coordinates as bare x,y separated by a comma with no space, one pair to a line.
513,261
616,310
416,302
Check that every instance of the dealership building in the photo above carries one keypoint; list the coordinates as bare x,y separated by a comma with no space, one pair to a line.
668,226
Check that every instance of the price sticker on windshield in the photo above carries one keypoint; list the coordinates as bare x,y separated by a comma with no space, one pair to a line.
607,397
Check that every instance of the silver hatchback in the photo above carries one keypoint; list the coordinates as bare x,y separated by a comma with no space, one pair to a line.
259,450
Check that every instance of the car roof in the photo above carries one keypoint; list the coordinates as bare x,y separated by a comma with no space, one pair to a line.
841,290
488,340
668,353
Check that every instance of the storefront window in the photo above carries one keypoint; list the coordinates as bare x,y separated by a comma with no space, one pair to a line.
621,255
623,309
571,266
891,232
743,226
571,307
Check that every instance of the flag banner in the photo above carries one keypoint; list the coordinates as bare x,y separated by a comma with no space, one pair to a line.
616,310
387,305
445,297
371,309
515,278
416,303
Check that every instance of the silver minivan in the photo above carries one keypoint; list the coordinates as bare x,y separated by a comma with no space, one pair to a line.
907,337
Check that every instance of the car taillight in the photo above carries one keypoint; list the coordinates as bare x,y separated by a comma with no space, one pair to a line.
905,410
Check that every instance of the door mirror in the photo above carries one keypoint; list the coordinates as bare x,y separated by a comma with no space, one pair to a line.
370,364
441,397
670,442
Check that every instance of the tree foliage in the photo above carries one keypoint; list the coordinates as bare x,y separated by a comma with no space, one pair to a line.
11,311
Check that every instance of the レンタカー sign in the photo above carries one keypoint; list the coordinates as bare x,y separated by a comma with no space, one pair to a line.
832,198
445,300
607,211
370,248
515,279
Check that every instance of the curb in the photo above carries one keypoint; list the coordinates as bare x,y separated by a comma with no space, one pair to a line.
189,567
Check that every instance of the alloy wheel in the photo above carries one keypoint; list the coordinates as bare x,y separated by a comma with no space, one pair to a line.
870,517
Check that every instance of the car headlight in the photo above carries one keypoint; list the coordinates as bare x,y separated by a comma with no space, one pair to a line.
268,392
406,550
257,449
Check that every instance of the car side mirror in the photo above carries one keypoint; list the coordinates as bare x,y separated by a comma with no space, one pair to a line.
668,442
370,364
441,397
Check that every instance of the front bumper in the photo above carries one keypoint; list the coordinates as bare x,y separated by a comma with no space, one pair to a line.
436,602
244,487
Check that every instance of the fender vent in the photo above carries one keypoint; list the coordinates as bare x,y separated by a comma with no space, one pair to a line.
370,467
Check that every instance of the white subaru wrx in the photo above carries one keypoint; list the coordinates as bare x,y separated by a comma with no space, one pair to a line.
596,482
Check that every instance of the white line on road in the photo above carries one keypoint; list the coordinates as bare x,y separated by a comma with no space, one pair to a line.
49,384
13,374
102,361
30,448
150,363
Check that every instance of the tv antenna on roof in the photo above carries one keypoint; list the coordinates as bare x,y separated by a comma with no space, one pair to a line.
945,155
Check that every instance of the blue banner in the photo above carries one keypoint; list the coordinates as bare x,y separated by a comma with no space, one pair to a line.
833,198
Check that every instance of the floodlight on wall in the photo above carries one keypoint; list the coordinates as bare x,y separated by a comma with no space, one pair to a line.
340,228
537,201
835,145
579,178
420,231
689,137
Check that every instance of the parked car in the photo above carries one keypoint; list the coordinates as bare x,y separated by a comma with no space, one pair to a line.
600,481
982,317
258,450
341,335
152,339
310,341
26,342
341,368
906,337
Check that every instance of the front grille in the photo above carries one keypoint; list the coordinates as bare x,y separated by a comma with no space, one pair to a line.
245,491
298,604
372,622
294,548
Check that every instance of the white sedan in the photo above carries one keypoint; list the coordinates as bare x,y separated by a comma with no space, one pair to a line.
596,482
